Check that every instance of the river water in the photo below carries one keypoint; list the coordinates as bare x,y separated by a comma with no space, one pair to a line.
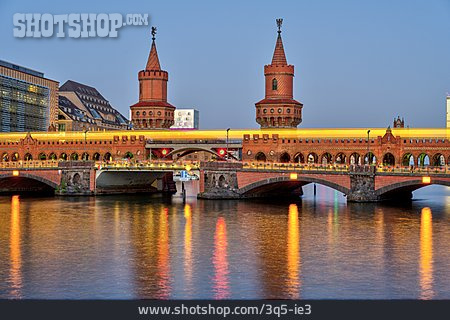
138,246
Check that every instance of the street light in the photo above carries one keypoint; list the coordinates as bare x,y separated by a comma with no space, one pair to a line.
227,144
368,147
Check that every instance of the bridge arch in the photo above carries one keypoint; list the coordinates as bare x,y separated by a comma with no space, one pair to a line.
299,158
355,158
31,182
438,160
313,157
326,158
285,183
407,160
285,157
388,159
340,158
5,157
261,156
423,160
408,186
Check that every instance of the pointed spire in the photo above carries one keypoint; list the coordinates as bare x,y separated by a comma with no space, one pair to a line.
153,60
279,58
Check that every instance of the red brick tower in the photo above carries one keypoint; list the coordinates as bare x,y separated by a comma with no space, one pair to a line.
152,111
278,109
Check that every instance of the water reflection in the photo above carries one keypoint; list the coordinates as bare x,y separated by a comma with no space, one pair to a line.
426,254
188,246
163,255
15,250
293,251
220,261
146,248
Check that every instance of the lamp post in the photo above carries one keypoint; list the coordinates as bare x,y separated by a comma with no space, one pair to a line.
368,147
226,154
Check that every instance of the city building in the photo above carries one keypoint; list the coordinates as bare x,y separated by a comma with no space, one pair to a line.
186,119
152,111
82,107
448,111
278,109
28,100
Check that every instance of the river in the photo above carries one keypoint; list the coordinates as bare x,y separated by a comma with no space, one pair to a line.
141,246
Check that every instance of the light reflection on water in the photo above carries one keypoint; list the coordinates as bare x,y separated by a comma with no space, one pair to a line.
144,247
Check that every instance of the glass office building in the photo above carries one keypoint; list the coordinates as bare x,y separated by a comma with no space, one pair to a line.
27,99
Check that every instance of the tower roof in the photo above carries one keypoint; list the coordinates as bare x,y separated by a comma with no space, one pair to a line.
153,60
279,58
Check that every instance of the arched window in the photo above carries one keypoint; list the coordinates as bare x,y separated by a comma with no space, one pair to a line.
274,84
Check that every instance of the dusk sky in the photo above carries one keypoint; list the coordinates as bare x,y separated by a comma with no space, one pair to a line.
357,63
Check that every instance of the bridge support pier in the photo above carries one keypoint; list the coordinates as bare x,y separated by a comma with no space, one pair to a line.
77,178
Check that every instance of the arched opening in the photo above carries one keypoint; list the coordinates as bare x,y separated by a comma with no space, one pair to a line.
285,157
96,156
260,156
15,156
407,160
76,178
5,157
299,158
388,159
274,84
340,158
107,157
313,158
128,155
42,156
221,181
85,156
355,159
52,156
423,160
28,157
74,156
63,156
370,158
26,184
438,160
326,158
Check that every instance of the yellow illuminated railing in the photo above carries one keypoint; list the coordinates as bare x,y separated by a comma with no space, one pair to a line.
146,165
36,164
313,167
232,134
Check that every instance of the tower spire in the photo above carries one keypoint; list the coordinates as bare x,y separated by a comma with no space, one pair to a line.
153,60
279,57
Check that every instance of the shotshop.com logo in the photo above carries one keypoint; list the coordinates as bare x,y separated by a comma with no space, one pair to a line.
74,25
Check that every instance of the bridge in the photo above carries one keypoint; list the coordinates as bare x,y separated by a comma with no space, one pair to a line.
248,163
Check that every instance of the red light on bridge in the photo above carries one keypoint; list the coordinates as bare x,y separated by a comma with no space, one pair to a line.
426,180
221,152
15,173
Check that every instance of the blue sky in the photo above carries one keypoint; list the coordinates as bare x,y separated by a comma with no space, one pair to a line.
357,63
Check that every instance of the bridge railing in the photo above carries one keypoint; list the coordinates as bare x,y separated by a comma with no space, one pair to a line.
31,164
148,165
345,168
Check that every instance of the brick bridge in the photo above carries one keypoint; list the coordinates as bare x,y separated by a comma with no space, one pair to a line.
358,183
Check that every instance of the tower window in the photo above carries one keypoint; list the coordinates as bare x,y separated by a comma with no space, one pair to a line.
274,84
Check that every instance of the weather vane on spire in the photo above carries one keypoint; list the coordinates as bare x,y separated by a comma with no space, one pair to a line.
153,33
279,23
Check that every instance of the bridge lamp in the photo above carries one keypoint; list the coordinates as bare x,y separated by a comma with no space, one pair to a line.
293,176
426,180
164,152
188,167
15,173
